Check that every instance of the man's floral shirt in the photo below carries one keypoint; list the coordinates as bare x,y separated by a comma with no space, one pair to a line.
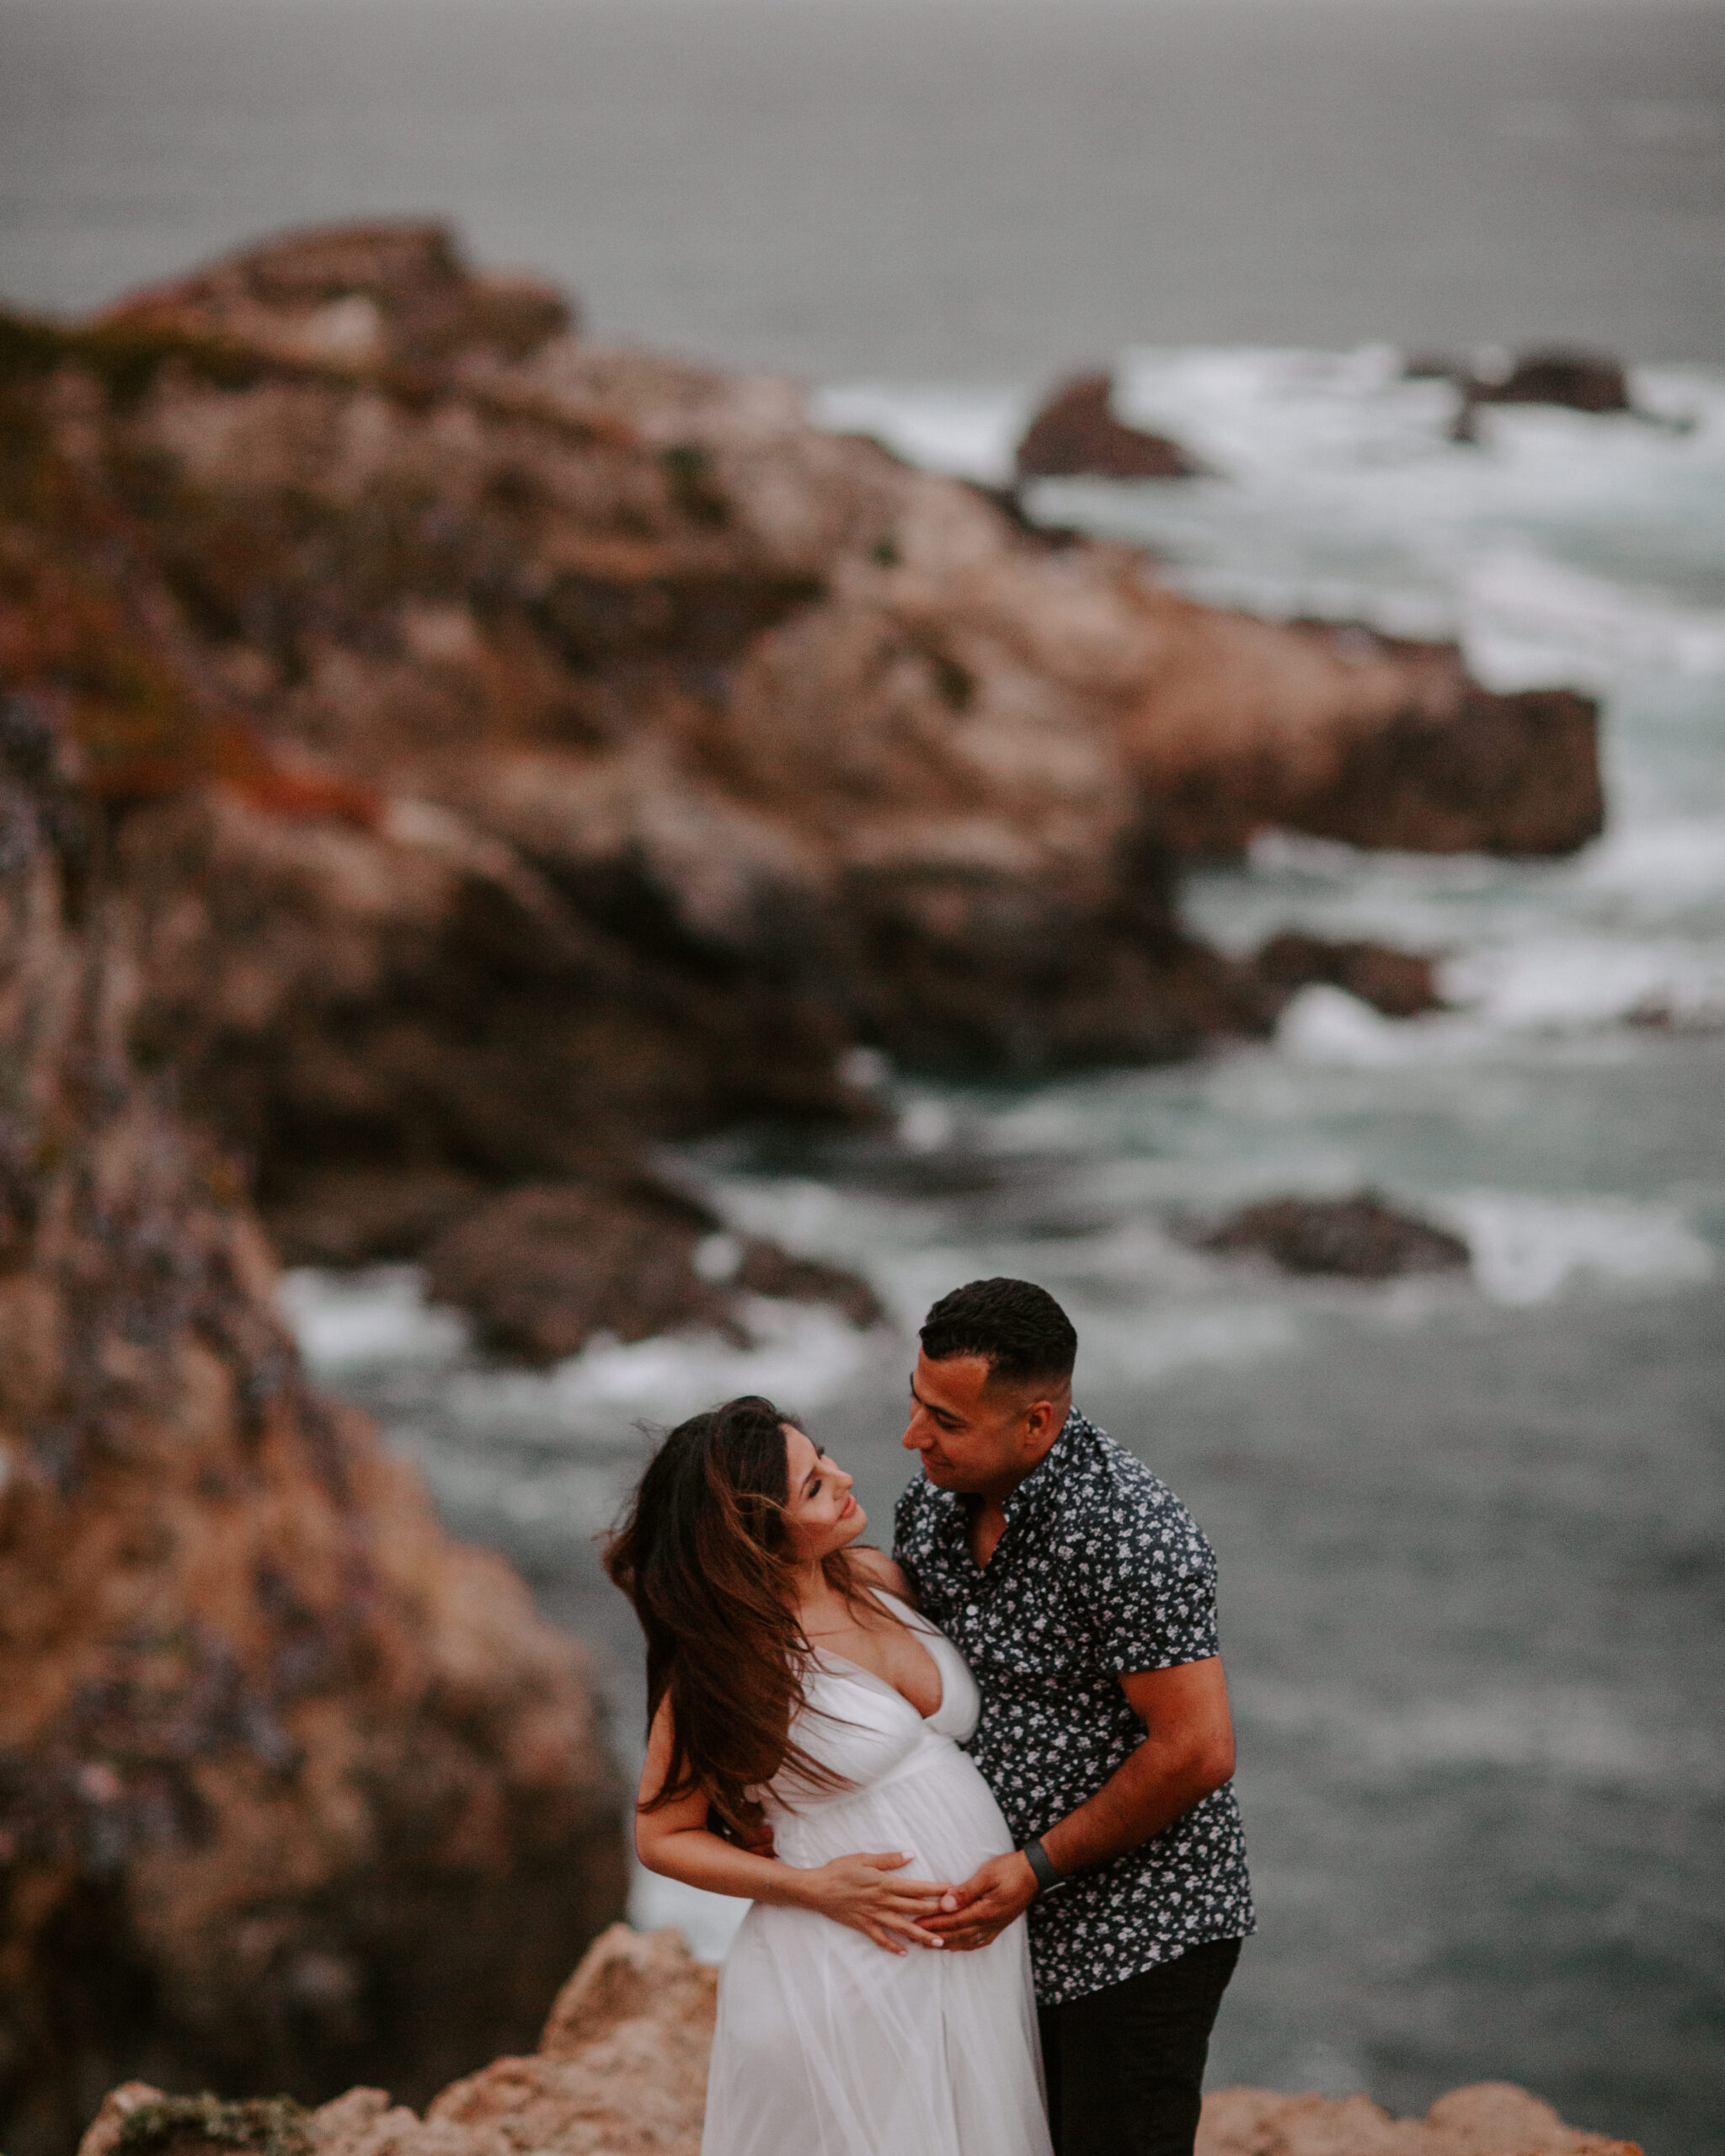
1101,1572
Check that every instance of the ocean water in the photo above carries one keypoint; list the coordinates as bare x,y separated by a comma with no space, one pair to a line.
1471,1527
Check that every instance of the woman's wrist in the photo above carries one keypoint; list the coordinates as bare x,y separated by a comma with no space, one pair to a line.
797,1885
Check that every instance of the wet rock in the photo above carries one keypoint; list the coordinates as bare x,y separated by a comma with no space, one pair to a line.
291,1785
620,2070
1334,729
544,1268
765,1269
1585,381
1400,984
1077,435
1358,1238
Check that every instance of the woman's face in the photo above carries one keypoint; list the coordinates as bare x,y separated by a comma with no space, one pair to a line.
824,1516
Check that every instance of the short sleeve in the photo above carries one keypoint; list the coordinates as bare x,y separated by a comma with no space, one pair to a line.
1146,1577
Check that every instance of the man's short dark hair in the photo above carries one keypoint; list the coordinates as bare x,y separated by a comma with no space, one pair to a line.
1017,1328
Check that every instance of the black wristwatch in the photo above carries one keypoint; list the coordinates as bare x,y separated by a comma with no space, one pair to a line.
1037,1857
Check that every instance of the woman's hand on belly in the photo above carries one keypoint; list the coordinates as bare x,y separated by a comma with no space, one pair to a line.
870,1894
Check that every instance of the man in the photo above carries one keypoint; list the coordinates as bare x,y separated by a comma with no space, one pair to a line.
1083,1595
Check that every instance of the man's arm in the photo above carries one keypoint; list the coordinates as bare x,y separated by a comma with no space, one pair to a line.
1187,1753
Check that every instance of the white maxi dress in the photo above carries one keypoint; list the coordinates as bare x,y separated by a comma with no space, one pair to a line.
826,2044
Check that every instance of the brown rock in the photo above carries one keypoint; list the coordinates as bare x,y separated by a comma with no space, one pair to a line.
545,1267
621,2071
1077,435
765,1269
1586,381
1359,1238
1400,984
1492,2118
526,753
395,292
1333,729
289,1781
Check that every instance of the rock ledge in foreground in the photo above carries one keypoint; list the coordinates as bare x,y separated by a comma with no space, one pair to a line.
620,2070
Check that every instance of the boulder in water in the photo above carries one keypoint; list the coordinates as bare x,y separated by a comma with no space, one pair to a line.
1357,1238
543,1268
1076,435
1584,382
1400,984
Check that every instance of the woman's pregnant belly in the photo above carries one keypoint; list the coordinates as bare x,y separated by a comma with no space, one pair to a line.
934,1805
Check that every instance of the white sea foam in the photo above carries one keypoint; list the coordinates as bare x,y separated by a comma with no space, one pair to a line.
1661,869
804,1353
348,1321
968,434
1527,621
1528,1248
1323,1024
1559,983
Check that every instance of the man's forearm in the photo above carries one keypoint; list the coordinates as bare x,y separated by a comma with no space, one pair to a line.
1152,1787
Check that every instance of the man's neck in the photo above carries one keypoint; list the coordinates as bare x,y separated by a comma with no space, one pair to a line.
995,1493
987,1506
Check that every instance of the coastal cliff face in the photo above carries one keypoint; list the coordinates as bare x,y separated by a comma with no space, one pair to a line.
620,2070
292,1786
569,723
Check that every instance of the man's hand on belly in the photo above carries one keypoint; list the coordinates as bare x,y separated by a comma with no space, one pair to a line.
988,1901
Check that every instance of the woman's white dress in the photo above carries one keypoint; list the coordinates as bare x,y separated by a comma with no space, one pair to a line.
826,2044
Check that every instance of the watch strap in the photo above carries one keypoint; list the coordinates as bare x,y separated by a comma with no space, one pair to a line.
1037,1858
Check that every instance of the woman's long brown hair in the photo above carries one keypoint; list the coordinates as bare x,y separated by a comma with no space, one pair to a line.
704,1553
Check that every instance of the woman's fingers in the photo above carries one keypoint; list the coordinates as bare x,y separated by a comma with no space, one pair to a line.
918,1937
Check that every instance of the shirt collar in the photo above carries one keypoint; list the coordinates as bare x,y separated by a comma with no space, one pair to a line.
1043,1478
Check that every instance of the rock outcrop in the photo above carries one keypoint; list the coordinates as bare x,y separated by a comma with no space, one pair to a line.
1378,741
544,1267
1076,435
292,1786
527,750
620,2070
1400,984
1357,1238
1583,382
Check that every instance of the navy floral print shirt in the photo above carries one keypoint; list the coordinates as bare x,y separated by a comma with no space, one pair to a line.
1101,1572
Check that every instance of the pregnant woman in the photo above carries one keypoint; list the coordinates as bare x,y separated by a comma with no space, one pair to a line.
786,1675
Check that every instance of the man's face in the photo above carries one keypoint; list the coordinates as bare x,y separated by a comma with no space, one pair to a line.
974,1436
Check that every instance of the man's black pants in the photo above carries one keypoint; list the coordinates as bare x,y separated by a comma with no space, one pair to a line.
1125,2065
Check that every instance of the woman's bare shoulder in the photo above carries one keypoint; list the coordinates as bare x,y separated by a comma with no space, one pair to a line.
874,1568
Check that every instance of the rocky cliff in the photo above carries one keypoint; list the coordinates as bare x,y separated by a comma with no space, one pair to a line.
293,1788
620,2070
529,747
